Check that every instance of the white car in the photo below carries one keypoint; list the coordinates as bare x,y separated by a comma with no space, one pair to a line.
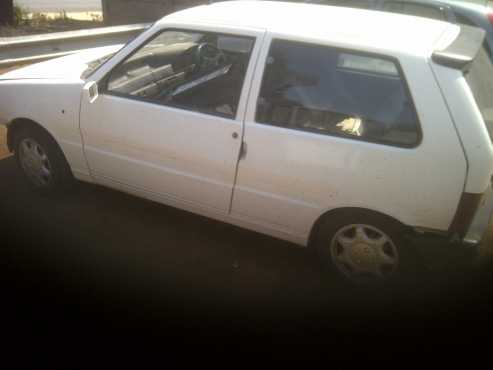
336,128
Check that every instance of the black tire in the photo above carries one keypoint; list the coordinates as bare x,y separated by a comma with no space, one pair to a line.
60,174
332,226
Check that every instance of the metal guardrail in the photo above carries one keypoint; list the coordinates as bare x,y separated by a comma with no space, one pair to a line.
32,49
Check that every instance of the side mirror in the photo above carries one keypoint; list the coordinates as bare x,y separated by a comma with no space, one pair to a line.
91,92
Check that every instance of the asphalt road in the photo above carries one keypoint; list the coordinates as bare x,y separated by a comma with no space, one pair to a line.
98,268
98,245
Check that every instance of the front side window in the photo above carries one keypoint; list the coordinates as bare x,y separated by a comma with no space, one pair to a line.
197,71
331,92
480,80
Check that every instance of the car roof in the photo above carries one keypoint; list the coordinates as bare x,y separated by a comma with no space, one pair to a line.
340,26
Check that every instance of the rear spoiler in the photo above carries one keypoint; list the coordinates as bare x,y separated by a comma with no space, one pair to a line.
460,53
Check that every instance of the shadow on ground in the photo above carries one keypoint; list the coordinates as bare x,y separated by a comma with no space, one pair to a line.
93,265
147,256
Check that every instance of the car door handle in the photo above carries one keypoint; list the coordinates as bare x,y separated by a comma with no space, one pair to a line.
235,135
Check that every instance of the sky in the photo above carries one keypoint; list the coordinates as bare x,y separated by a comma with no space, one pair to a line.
57,5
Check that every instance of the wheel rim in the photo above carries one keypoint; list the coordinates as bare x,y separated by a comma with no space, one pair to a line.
35,162
364,253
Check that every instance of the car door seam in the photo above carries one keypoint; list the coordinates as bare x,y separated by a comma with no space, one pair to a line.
261,40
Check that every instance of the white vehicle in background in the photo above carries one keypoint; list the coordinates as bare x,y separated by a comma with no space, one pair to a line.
280,118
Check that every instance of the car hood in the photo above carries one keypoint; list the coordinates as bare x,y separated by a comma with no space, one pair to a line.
68,67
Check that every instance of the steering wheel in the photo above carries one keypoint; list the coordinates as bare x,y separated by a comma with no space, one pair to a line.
207,56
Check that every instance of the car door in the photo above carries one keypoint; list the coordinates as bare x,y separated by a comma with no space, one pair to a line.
168,119
330,128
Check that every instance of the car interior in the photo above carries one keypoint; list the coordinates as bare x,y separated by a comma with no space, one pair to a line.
315,89
183,73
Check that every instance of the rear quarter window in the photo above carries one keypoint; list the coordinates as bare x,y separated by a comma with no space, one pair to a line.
335,92
480,80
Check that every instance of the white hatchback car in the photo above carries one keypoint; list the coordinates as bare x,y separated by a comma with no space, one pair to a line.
339,128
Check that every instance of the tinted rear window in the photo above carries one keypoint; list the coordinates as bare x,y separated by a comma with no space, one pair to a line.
480,80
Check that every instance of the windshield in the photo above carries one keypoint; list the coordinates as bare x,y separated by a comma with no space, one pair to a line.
480,80
94,65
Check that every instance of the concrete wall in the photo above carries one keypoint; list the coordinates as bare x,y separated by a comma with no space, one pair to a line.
137,11
59,5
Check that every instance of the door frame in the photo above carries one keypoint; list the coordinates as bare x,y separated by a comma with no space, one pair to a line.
100,75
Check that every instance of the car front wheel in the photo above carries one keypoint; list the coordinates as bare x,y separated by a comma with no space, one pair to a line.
41,161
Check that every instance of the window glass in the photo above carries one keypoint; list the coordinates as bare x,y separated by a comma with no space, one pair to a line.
197,71
480,80
360,4
366,64
464,20
323,90
418,10
94,65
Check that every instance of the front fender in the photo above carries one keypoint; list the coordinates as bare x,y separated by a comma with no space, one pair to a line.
52,104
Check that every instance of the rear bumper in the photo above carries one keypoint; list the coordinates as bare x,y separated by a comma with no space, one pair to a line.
446,240
444,245
434,247
482,221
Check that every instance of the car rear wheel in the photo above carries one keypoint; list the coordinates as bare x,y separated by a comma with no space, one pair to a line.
41,161
364,248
